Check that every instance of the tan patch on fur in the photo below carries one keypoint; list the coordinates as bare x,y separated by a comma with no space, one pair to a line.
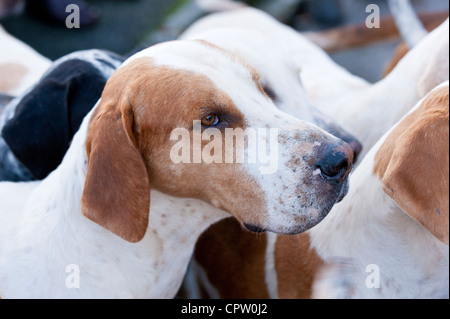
237,271
296,265
413,164
129,146
12,75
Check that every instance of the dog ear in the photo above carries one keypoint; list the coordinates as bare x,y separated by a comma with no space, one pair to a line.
46,118
417,175
117,192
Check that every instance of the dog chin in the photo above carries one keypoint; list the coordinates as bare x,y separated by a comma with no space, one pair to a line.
304,226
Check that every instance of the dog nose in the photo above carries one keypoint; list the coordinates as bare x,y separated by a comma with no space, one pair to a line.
335,163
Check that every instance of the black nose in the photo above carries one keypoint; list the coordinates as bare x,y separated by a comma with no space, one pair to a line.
335,163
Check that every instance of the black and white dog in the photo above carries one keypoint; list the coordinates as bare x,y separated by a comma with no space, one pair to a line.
37,128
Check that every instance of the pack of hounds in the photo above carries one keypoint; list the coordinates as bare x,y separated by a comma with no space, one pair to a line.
358,208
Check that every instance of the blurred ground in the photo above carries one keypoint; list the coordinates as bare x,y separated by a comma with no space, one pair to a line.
121,28
126,24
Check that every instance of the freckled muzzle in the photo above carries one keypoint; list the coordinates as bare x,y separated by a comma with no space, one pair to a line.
315,179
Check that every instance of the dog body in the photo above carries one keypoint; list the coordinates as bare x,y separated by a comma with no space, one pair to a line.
37,127
388,238
20,66
92,213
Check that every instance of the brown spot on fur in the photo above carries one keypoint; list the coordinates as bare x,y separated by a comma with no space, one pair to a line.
296,265
413,164
237,273
12,75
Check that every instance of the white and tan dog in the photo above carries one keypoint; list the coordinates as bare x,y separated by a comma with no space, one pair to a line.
387,239
92,212
20,65
351,101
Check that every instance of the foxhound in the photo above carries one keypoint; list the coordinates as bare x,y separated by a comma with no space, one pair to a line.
351,101
387,239
20,65
122,216
37,127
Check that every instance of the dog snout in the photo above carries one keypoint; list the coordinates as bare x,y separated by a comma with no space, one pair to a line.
335,162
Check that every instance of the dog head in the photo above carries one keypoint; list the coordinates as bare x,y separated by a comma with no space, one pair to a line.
208,97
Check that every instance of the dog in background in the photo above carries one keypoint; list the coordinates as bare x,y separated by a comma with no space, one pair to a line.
37,128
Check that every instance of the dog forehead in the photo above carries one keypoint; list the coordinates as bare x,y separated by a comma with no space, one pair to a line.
227,72
200,58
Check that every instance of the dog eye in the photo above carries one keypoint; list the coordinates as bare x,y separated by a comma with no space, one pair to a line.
210,120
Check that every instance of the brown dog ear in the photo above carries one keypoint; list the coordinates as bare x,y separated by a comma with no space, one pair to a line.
417,175
117,192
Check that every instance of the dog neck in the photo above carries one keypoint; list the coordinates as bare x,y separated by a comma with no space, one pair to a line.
51,234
